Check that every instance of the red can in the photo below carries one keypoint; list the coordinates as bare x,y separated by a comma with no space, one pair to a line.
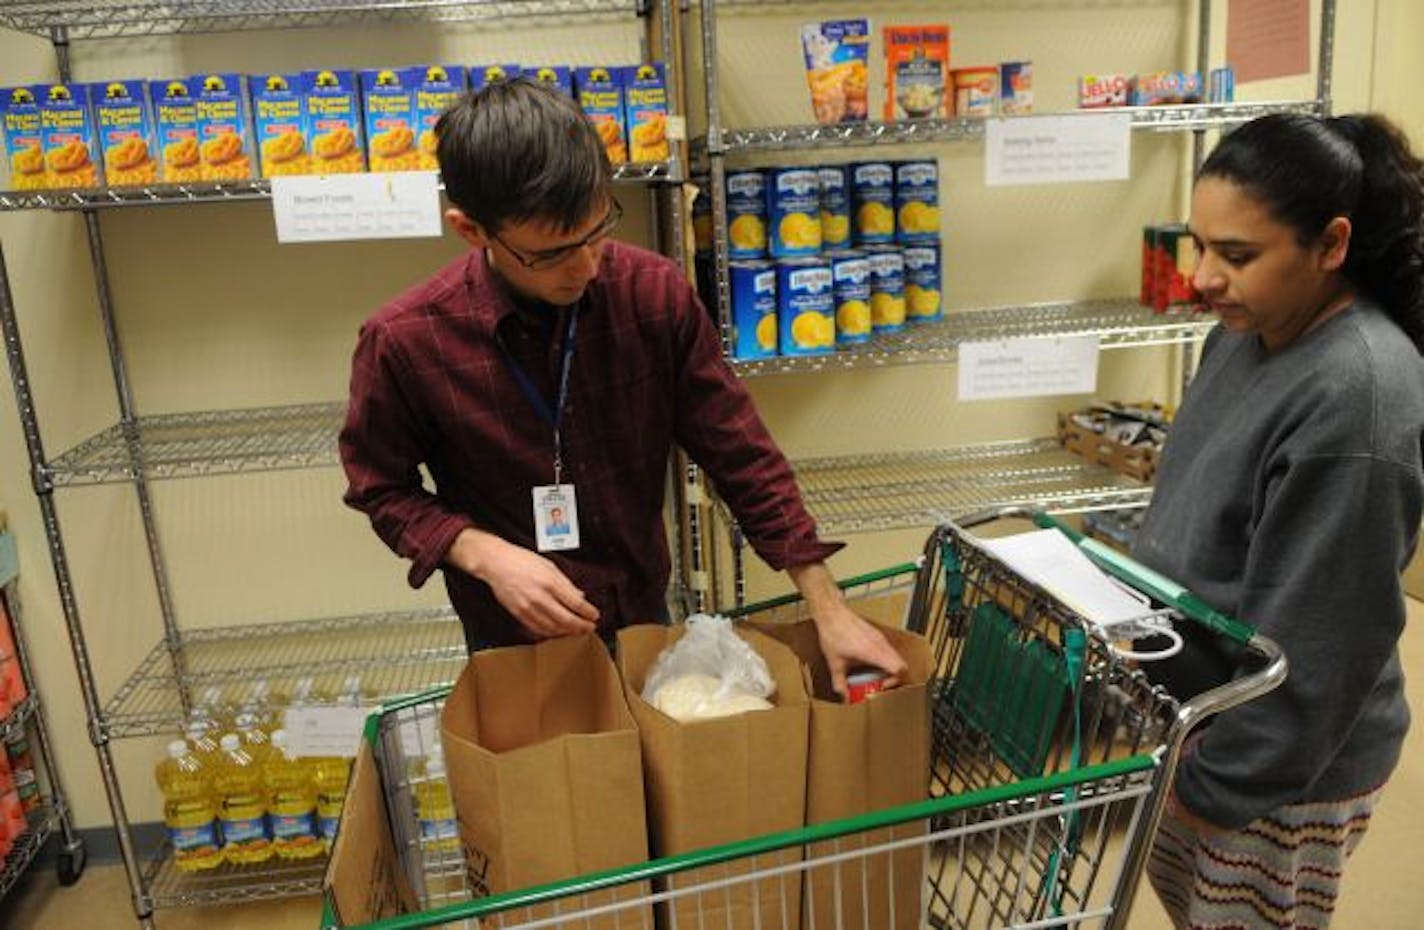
862,684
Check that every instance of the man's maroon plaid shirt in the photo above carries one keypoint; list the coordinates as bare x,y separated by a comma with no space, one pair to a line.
430,385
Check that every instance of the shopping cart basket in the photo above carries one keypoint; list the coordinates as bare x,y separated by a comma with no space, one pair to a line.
1051,760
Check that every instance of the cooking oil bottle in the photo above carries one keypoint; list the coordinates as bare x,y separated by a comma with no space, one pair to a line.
434,808
242,808
291,802
330,774
189,809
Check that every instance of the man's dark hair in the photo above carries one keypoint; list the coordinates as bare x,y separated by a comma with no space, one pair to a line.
517,151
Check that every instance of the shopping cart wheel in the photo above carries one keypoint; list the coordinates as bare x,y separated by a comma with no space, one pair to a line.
71,863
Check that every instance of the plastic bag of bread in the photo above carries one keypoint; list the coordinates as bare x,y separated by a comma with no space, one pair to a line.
709,672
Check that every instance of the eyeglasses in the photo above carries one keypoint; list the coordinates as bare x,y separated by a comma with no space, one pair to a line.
548,258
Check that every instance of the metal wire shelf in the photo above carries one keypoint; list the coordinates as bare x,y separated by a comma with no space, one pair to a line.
182,445
1181,118
105,19
228,883
158,195
27,846
1118,323
395,653
862,493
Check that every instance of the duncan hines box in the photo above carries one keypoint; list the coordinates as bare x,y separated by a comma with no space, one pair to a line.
333,128
600,93
175,116
546,774
224,127
124,121
24,138
721,780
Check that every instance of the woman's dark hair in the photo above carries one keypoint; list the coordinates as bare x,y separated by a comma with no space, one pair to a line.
516,151
1307,171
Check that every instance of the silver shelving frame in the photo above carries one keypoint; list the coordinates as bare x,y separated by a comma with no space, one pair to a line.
428,646
862,493
27,717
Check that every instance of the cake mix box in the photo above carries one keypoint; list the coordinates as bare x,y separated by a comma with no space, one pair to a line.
333,121
440,86
646,111
557,76
67,136
600,92
388,99
837,53
279,120
24,139
480,75
175,118
124,121
225,149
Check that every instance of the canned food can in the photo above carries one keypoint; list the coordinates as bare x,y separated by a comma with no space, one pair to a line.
863,684
887,289
916,201
850,276
793,212
805,298
746,214
835,206
753,309
872,196
924,297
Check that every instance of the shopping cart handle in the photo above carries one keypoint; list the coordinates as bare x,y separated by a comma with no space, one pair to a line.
1154,583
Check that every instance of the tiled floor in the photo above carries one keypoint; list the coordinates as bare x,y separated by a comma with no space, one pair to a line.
1384,888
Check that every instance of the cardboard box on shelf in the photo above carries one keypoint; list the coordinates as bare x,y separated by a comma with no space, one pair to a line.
723,780
864,757
364,880
544,767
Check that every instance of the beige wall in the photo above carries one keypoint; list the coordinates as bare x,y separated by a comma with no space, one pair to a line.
213,314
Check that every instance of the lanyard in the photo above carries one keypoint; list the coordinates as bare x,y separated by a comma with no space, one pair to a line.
553,417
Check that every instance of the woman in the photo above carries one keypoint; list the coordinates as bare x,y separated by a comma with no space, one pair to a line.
1290,496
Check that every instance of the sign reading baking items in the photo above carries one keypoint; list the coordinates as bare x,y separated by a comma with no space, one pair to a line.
328,208
1057,149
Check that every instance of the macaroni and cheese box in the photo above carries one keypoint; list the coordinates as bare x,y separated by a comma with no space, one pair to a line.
279,120
600,92
556,76
388,98
441,86
333,127
480,75
67,136
646,108
224,127
24,140
126,138
175,117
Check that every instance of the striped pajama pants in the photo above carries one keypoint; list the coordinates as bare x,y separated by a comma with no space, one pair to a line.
1282,870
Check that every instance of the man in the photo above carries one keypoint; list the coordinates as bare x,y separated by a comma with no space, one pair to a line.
552,366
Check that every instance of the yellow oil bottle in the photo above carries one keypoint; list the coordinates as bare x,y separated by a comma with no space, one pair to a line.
189,809
291,802
242,807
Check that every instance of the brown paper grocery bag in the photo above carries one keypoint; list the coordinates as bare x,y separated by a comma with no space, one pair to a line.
865,757
718,781
545,772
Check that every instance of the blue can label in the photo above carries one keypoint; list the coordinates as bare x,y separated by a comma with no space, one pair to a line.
872,188
806,308
924,299
887,290
753,309
793,209
746,214
835,206
850,272
916,201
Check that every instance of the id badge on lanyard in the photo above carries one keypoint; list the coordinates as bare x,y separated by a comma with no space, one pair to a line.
555,505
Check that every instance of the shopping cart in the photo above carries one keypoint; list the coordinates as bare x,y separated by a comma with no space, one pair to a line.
1051,760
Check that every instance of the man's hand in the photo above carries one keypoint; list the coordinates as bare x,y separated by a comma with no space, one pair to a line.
542,598
847,639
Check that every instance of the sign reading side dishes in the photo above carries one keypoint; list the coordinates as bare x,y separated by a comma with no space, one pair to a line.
328,208
1057,149
1028,367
